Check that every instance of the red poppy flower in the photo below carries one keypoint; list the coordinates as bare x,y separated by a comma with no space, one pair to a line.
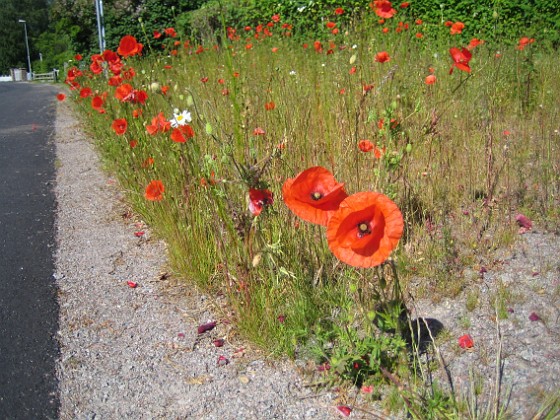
430,79
269,106
129,74
382,57
331,25
159,124
129,46
378,153
110,56
339,11
457,28
258,199
78,57
367,88
405,5
96,67
318,46
383,8
170,32
258,132
314,195
365,145
119,126
365,229
154,191
523,42
182,133
61,97
148,162
139,96
157,34
97,103
461,59
475,42
466,342
115,81
276,18
85,92
124,92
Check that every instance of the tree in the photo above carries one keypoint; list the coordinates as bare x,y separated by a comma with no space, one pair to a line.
12,39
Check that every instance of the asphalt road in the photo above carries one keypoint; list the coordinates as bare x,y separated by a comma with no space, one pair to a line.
28,305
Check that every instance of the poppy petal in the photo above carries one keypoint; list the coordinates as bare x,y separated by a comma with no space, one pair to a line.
314,195
365,229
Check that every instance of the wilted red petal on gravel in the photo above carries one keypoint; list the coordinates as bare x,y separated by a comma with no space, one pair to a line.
344,410
132,284
206,327
534,317
324,367
367,389
219,342
523,221
222,361
466,342
139,233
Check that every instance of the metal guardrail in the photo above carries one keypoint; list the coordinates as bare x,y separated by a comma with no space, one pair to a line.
44,77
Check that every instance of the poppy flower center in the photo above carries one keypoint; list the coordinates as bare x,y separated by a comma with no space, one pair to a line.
363,229
316,195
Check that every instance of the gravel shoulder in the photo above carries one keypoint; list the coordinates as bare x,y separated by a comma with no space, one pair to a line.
135,352
516,317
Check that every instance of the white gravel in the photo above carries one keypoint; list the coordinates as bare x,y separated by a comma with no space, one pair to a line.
134,353
526,278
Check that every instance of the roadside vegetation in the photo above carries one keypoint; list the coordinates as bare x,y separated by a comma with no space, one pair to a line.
234,146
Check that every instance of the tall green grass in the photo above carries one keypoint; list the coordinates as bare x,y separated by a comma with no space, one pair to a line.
460,157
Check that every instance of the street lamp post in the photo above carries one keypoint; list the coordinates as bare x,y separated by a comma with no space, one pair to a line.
30,74
100,24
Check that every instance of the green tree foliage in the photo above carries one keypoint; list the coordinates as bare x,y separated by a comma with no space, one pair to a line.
495,20
142,17
492,20
12,39
73,27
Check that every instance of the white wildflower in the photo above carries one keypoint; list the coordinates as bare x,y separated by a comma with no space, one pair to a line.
180,118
